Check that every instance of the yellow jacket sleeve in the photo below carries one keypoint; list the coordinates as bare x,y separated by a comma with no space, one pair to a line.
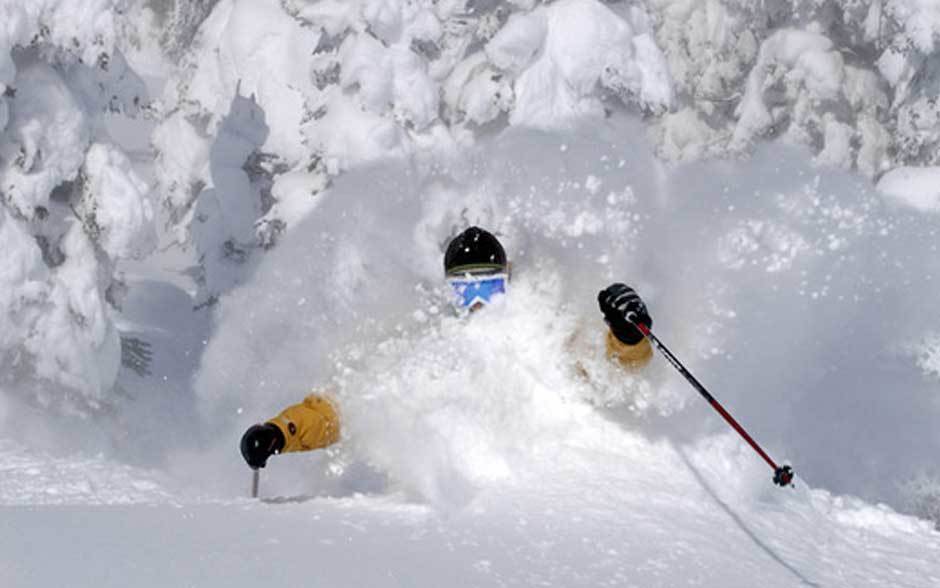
630,357
312,424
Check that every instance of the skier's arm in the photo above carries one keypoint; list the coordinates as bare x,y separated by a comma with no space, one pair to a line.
625,342
311,424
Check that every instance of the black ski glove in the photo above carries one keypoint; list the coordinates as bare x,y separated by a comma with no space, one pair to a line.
261,442
616,302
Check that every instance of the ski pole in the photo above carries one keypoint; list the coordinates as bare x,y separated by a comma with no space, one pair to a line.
255,478
783,475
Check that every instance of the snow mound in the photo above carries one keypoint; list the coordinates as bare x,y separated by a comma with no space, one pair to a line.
913,187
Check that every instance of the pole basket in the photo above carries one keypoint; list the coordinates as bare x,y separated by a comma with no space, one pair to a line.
783,476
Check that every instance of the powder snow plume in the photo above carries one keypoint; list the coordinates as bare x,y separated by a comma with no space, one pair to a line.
770,278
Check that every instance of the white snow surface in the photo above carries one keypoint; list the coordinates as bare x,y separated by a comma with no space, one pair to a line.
33,478
475,452
914,187
314,157
608,508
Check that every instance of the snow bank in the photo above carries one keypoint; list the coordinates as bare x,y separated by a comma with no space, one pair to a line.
558,531
912,187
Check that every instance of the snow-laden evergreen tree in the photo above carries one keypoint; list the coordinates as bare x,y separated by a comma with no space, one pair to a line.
843,77
70,203
344,83
225,212
341,84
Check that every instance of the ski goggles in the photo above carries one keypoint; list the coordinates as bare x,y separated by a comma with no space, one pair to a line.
470,290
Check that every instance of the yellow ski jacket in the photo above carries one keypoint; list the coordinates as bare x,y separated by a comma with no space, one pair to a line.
315,422
312,424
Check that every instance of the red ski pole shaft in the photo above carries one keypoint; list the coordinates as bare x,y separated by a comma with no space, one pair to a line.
782,475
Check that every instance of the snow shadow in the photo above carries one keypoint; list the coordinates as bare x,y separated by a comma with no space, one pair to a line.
739,522
157,414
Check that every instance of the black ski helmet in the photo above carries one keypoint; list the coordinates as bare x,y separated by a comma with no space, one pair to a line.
474,250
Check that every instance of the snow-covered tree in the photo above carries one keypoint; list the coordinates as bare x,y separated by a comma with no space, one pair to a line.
332,85
341,84
344,83
70,203
225,212
851,79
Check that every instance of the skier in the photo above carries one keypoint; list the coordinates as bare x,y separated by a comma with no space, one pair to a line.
476,268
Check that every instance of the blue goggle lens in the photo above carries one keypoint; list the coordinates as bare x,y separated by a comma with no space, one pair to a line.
470,291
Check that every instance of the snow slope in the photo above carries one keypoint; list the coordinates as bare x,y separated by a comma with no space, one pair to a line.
614,509
501,450
474,452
